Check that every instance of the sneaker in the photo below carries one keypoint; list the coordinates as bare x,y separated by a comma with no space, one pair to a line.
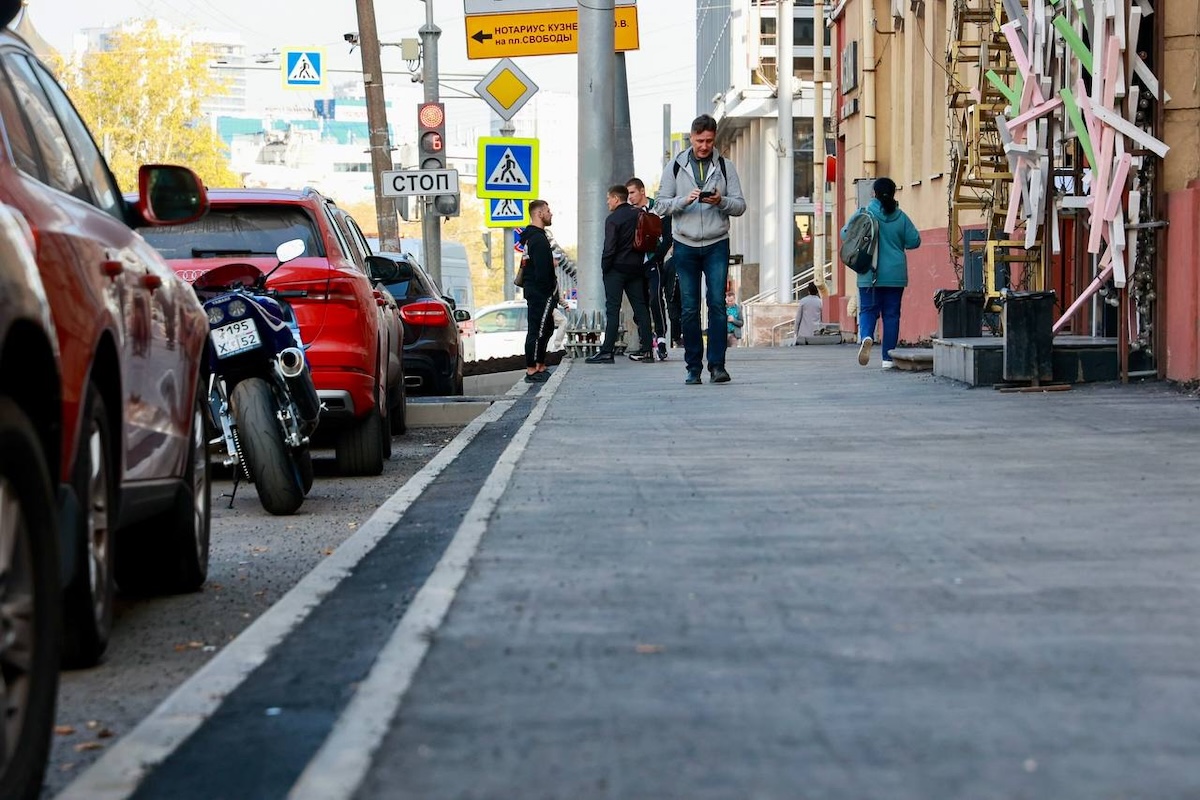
864,351
662,350
887,365
719,375
531,378
642,355
541,377
693,378
600,357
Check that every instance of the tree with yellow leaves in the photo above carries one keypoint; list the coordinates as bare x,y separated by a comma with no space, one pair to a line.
141,98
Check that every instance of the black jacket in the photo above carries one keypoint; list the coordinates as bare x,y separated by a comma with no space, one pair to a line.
618,251
539,272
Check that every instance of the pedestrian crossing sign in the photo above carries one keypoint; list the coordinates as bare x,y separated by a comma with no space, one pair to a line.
303,68
505,212
508,168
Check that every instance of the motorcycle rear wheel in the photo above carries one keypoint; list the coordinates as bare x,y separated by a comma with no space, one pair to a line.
276,478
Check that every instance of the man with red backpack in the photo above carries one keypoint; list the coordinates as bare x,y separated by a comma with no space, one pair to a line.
655,283
624,273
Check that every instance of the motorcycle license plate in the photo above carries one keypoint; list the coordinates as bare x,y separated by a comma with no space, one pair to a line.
237,337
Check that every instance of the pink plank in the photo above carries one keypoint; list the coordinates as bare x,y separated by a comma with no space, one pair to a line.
1112,205
1014,202
1037,111
1100,189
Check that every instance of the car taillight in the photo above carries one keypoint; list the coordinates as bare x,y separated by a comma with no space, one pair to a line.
330,290
425,312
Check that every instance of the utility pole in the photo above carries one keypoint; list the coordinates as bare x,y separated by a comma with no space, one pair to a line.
666,134
381,147
431,221
596,63
786,191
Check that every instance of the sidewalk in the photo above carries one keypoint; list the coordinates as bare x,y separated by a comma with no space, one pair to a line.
823,581
817,581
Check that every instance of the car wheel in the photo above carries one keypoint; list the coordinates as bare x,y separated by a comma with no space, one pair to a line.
458,379
168,553
399,415
275,477
88,599
359,449
30,606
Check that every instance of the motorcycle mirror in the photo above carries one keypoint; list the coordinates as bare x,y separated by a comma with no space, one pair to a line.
290,250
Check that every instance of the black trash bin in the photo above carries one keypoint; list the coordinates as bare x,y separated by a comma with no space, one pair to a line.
960,313
1029,336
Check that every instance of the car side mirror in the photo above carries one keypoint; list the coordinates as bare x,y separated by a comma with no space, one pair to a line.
450,301
461,315
386,270
170,195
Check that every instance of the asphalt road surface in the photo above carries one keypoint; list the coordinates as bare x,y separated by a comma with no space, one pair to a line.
158,643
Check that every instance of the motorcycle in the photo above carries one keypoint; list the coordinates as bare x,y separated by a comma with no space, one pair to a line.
261,394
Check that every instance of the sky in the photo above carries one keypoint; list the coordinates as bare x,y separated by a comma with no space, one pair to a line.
661,72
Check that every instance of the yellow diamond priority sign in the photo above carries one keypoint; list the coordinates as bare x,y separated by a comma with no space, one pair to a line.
506,88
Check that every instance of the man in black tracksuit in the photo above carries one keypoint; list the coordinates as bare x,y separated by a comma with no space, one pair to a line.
541,290
624,271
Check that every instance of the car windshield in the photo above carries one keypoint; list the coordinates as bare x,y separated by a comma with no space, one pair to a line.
251,230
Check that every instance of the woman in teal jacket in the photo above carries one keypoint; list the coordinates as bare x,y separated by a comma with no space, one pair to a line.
881,290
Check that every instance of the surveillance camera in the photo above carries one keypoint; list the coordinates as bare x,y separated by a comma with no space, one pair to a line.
351,37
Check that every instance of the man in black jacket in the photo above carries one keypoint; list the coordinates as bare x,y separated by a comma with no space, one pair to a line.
541,290
624,271
656,282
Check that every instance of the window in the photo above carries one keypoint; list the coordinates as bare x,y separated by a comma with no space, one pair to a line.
16,131
62,172
95,171
503,321
250,230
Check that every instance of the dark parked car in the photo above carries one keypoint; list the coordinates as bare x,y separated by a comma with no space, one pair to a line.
433,353
30,594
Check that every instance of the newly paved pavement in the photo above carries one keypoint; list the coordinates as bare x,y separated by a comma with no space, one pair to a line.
817,581
823,581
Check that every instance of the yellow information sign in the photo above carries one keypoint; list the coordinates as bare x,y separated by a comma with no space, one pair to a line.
541,33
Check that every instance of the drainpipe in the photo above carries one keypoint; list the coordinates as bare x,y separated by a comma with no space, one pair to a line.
868,88
819,146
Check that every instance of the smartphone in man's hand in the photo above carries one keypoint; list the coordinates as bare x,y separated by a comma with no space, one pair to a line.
708,193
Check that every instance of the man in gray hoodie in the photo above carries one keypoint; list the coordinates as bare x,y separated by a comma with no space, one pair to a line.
700,191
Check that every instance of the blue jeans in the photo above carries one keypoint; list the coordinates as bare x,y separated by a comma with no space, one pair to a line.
712,262
880,301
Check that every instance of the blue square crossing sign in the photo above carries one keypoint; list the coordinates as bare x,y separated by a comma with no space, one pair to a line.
304,68
508,168
505,212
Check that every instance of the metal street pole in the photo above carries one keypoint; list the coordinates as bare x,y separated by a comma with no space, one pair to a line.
787,161
622,125
666,134
596,62
431,221
381,147
509,237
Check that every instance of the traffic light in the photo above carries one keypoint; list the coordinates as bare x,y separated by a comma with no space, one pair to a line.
431,135
431,147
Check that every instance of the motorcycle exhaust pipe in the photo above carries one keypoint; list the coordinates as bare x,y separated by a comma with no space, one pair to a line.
299,383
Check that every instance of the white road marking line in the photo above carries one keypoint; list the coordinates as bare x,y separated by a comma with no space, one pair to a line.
339,767
116,775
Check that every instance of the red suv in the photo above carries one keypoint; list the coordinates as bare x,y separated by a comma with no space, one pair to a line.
345,324
30,595
134,494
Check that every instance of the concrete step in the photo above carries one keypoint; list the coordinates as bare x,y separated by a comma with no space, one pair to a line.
913,359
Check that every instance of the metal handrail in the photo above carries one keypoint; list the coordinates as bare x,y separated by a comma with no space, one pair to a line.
775,328
801,279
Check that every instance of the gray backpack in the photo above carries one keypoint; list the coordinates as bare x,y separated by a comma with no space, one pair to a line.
860,244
